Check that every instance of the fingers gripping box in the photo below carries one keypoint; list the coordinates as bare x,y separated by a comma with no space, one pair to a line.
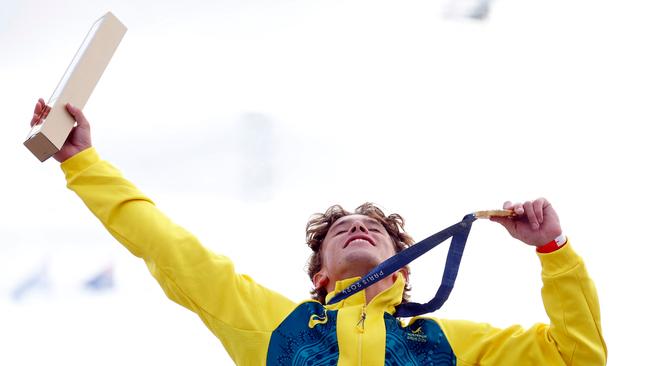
48,136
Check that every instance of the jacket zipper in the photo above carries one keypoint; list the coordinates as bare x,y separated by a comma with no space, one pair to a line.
361,328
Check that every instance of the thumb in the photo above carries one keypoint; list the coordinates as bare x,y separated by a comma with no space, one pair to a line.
506,222
78,116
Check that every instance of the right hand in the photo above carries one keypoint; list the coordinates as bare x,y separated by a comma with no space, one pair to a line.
535,223
79,138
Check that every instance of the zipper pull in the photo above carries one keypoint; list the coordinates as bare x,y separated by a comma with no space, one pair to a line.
362,322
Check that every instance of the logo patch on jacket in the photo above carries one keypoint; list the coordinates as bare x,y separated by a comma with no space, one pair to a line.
421,343
306,337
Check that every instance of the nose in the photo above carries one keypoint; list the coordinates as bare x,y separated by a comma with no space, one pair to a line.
358,226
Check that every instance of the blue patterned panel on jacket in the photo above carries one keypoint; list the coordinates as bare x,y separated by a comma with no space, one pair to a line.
306,337
421,343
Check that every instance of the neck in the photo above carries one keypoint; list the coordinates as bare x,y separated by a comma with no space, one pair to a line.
377,288
371,291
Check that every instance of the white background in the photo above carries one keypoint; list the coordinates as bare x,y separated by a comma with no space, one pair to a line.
355,101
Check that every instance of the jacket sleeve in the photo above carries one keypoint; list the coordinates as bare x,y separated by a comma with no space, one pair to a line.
232,305
573,336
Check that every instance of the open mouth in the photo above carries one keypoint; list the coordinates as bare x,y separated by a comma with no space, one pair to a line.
359,239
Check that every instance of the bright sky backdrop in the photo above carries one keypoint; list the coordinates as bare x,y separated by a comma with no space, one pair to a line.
241,118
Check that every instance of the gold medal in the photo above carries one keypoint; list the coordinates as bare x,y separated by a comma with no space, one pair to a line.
490,213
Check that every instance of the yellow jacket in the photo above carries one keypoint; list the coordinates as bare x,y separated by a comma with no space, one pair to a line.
258,326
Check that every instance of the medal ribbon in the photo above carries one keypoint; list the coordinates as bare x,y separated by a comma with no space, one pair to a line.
458,232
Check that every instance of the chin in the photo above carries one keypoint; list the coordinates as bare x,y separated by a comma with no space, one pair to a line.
362,260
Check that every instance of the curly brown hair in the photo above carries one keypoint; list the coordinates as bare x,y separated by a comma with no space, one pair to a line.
319,224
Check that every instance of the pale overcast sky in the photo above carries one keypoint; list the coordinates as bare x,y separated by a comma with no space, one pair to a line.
241,118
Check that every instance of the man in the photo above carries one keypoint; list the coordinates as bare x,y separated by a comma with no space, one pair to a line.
258,326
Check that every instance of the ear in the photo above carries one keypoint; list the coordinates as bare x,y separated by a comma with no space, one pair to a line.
320,280
405,274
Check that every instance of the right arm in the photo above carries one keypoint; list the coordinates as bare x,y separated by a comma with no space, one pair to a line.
572,337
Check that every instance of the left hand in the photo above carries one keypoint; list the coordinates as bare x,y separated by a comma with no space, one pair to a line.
536,223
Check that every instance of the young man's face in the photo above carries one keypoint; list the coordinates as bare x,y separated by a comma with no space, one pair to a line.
354,245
